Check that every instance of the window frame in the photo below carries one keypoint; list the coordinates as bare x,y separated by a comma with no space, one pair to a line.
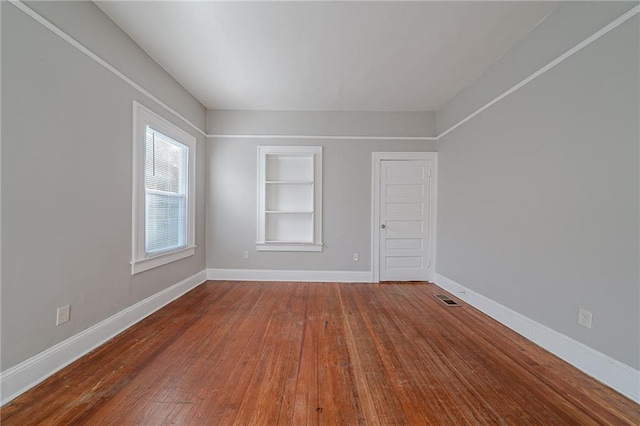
140,260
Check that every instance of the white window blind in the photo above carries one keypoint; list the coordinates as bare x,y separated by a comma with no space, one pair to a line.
166,190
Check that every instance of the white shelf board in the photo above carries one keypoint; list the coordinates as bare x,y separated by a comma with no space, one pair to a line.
289,182
288,212
287,246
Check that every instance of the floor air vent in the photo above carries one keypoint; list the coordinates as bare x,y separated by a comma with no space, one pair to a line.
446,300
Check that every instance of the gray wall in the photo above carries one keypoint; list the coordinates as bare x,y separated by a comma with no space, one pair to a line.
66,176
539,195
86,23
567,26
232,183
325,123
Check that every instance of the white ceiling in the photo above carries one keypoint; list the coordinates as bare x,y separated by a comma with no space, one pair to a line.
333,56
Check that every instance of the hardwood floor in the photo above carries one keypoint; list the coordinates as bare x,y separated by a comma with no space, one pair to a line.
318,353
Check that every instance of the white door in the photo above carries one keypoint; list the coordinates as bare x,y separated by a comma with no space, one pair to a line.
405,198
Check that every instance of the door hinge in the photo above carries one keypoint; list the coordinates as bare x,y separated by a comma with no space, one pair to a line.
428,264
429,172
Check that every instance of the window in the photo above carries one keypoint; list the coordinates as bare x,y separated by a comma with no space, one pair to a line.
163,191
289,198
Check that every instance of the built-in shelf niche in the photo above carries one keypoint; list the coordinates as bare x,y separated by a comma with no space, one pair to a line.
289,198
283,196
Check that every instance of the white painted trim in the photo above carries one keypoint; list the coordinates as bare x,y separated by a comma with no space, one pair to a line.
376,159
73,42
147,263
34,370
140,261
595,36
288,275
312,155
434,220
288,247
47,24
349,137
613,373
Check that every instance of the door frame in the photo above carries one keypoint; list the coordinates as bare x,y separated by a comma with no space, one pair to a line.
377,158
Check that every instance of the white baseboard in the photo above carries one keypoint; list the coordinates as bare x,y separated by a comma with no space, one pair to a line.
289,275
34,370
613,373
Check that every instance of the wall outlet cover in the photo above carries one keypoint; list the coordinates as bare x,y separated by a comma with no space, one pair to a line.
585,318
63,314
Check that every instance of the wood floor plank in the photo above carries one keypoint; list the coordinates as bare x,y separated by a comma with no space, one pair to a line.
270,379
484,366
251,353
242,361
185,374
306,388
338,396
407,378
517,359
294,357
454,371
87,384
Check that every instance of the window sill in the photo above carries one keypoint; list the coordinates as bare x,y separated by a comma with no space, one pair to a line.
272,246
141,265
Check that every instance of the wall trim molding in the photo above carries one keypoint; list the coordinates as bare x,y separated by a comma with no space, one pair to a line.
22,377
584,43
329,137
82,48
595,36
620,377
288,275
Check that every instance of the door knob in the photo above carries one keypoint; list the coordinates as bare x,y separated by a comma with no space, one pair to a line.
383,226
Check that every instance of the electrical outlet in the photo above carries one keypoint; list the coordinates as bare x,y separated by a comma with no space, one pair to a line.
356,257
63,314
585,318
245,255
